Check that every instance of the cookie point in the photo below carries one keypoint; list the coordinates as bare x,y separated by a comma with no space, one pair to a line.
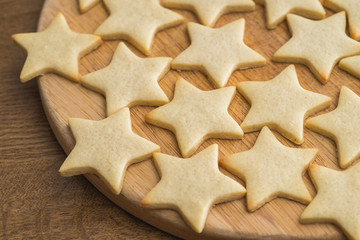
214,147
15,36
313,166
59,14
24,79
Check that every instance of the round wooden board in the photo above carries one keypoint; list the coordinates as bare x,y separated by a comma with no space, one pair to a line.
278,219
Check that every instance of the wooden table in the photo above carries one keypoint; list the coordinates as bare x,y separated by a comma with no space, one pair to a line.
35,201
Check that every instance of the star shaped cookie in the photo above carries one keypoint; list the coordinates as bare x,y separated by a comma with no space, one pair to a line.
194,116
351,65
352,8
191,186
281,104
57,49
136,21
106,148
129,80
337,200
85,5
209,11
218,52
276,10
271,170
342,125
317,44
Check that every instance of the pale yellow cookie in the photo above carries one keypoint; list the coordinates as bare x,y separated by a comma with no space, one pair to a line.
317,44
276,10
342,125
352,8
57,49
85,5
136,21
194,116
337,200
129,80
271,170
218,52
191,186
281,104
106,148
351,65
209,11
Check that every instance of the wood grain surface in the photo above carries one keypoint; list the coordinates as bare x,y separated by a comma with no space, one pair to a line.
278,219
35,201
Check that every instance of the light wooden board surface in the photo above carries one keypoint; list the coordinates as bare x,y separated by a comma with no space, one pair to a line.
278,219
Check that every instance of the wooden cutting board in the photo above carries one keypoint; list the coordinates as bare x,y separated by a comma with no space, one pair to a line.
278,219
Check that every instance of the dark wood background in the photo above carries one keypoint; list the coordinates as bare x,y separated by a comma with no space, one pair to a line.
35,201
